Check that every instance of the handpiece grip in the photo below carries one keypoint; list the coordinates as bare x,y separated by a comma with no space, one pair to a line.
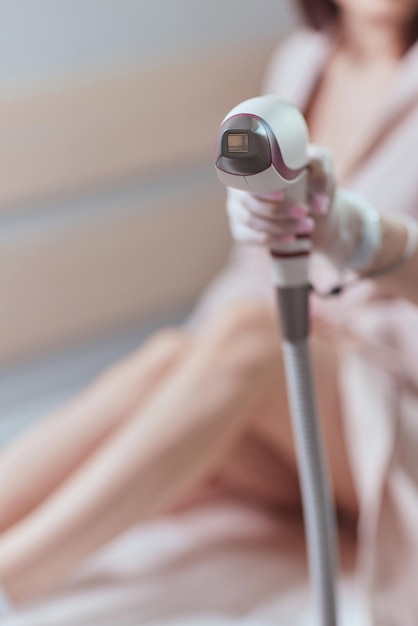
295,193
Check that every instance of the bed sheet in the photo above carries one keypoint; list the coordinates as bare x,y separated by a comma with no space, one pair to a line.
221,564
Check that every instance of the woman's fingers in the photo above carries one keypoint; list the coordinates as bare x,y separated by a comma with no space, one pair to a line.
266,207
261,221
272,206
274,218
240,230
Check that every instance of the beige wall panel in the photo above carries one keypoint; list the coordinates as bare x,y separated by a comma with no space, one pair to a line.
98,274
92,274
138,124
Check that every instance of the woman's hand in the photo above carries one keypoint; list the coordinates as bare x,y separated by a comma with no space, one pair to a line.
273,220
342,225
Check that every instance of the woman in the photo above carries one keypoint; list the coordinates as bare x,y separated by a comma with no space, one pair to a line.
141,442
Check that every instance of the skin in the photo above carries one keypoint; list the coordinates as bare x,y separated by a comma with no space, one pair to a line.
393,14
159,455
140,441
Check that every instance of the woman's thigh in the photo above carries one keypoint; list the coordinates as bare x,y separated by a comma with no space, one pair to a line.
270,428
57,445
274,426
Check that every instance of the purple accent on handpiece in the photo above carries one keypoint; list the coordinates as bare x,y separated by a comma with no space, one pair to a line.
283,254
285,172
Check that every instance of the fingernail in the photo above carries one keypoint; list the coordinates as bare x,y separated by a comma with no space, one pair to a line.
298,211
273,197
305,225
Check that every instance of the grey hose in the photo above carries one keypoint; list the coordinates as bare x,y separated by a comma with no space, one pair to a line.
316,497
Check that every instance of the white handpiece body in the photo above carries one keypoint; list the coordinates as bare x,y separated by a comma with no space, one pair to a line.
262,148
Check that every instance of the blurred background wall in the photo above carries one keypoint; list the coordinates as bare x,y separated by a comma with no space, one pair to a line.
111,218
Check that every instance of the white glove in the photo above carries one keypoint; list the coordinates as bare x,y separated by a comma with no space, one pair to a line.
342,225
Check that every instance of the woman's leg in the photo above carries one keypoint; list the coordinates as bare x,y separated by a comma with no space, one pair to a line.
275,424
186,430
180,435
33,466
273,432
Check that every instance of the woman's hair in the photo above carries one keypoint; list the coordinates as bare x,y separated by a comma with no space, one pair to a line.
321,13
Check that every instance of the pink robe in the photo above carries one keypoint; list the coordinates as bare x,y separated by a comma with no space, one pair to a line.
379,368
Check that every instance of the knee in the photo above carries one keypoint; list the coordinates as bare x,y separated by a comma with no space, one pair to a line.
251,320
169,341
163,348
245,337
161,351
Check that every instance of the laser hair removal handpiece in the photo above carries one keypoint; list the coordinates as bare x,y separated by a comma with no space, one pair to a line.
262,148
